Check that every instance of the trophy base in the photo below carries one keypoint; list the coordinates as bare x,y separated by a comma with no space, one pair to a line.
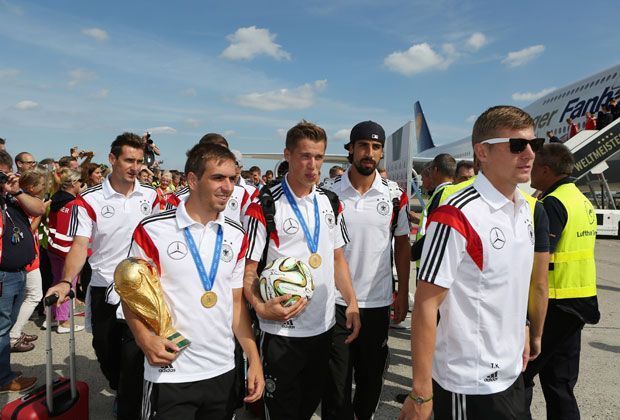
179,340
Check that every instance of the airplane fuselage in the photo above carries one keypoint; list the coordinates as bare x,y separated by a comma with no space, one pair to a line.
551,111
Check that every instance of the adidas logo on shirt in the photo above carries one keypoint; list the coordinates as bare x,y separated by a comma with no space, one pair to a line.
491,378
289,324
167,369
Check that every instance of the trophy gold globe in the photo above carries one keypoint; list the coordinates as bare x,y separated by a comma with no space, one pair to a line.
137,283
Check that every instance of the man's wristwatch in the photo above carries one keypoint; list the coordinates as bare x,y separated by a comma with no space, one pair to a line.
418,399
17,193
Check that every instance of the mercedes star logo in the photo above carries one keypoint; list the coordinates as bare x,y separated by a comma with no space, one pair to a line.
290,226
107,211
498,239
177,250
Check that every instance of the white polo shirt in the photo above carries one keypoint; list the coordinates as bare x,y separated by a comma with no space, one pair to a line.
289,241
235,208
109,218
369,222
160,239
480,246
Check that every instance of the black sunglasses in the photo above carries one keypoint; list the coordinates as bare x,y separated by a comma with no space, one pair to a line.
518,145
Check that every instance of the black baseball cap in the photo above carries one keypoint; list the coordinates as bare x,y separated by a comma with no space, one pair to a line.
366,130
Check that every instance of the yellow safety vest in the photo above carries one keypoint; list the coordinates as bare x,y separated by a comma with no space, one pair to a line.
421,228
451,189
574,268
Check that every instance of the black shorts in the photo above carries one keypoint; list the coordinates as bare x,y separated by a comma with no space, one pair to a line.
296,371
507,404
212,398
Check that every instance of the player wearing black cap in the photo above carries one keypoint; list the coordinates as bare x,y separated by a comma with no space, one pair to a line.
377,211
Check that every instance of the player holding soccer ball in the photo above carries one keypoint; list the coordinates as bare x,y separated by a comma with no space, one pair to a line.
286,276
296,339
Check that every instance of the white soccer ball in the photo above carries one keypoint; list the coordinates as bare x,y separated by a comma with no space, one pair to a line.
286,275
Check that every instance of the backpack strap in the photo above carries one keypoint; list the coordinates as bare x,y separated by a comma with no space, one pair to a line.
268,206
334,201
395,193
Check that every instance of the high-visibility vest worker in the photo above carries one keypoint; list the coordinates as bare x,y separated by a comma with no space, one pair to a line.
572,266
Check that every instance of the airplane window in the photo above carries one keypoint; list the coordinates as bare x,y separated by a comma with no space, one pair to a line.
615,74
597,82
608,77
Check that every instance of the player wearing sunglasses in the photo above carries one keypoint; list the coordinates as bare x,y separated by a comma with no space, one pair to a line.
474,243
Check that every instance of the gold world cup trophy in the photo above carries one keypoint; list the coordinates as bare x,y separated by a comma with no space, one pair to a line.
137,283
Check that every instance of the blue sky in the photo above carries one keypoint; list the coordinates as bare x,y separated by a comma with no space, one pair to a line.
76,72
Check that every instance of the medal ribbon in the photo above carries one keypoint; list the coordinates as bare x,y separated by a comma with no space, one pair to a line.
313,243
207,281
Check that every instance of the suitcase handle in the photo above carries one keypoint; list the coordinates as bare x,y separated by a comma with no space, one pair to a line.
49,395
51,299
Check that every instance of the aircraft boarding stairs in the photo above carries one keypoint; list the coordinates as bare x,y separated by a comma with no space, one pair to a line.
591,149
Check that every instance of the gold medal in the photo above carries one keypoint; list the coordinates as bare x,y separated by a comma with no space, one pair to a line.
208,299
314,260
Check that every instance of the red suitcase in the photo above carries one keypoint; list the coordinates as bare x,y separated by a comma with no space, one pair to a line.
60,399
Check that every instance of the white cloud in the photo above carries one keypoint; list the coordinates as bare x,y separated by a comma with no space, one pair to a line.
281,132
101,94
476,41
298,98
471,118
192,122
8,73
247,43
26,105
531,96
229,133
78,76
162,130
96,33
420,58
190,92
343,134
524,56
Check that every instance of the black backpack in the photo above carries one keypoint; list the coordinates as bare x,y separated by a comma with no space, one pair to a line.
269,211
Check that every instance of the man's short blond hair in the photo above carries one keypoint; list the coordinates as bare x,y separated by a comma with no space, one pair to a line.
498,118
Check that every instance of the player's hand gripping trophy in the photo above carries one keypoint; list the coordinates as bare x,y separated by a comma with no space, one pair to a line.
137,283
